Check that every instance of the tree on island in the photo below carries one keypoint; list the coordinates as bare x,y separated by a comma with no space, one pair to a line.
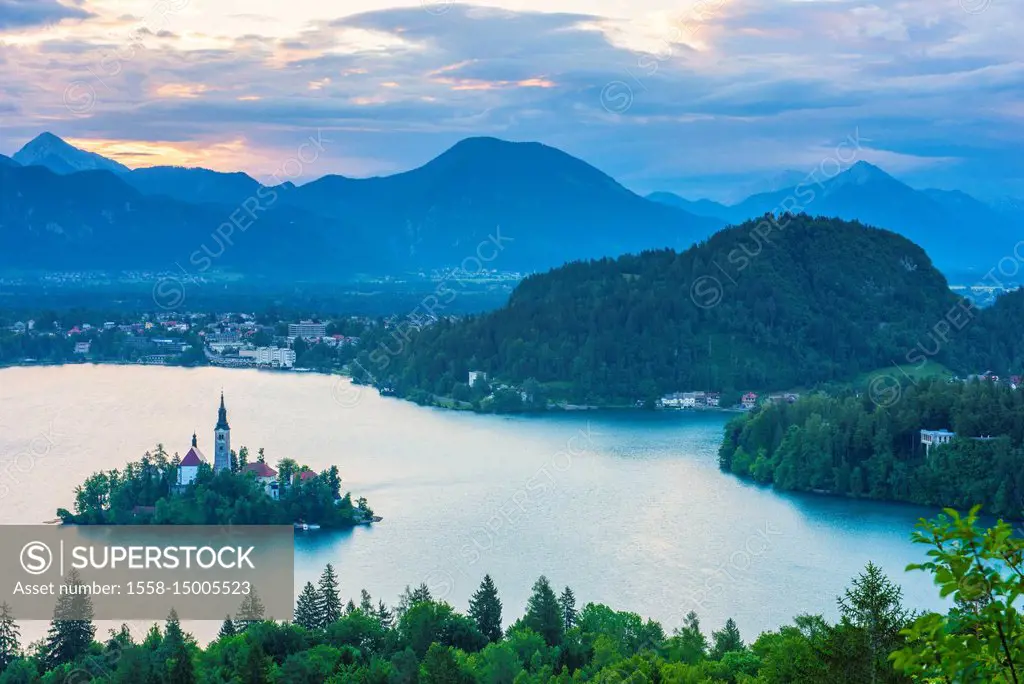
243,457
10,635
71,630
261,457
485,609
307,608
330,599
234,461
286,469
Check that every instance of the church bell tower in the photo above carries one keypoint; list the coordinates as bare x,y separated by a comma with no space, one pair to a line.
222,440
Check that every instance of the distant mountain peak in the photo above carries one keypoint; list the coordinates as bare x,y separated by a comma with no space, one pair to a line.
56,154
864,172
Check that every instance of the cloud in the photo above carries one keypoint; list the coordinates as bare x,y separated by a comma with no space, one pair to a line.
24,13
701,100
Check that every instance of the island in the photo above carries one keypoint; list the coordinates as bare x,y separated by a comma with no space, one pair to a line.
161,489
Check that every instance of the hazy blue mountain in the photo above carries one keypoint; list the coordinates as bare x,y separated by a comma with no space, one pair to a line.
94,220
196,185
50,151
957,231
554,207
702,207
7,161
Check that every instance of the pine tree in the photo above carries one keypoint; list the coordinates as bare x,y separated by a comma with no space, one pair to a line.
485,608
243,458
174,652
726,641
385,616
350,607
71,630
254,667
10,646
365,602
330,600
227,628
543,614
307,608
261,457
875,605
250,612
568,603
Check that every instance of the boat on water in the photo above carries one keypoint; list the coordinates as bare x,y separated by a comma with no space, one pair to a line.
306,527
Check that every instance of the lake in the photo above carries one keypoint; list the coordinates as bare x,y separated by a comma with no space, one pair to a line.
629,509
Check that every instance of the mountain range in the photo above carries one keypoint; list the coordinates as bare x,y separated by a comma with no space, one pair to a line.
62,207
957,231
540,205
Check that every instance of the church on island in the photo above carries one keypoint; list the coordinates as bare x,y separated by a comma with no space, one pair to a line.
188,469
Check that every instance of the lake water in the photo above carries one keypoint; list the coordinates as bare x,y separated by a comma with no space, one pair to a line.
628,509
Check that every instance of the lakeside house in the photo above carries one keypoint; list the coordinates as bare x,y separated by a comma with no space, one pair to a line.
475,377
687,400
82,347
749,401
267,477
932,438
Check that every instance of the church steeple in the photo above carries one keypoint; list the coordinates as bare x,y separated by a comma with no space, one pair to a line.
222,439
195,440
222,415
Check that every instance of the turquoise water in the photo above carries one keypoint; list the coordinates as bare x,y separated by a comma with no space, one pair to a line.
629,509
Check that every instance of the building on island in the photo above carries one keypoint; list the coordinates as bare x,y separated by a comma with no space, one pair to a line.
267,477
188,469
307,330
222,440
932,438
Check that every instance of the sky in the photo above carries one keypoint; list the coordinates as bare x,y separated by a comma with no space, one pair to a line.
709,98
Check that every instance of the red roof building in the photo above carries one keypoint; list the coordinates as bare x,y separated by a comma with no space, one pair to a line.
194,457
306,475
262,470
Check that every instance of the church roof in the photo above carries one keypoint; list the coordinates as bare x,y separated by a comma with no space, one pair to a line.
306,475
261,469
193,458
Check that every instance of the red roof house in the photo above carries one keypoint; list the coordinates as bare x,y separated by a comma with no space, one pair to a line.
261,470
306,475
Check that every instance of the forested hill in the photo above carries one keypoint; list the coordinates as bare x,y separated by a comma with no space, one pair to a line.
759,305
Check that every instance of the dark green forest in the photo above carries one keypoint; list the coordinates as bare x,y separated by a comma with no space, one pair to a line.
425,640
774,304
868,445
